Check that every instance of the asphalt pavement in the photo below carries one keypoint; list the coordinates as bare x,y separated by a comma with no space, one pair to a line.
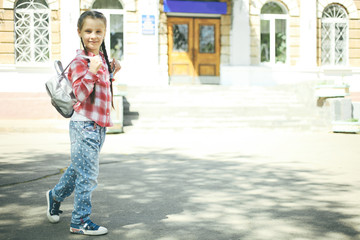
191,184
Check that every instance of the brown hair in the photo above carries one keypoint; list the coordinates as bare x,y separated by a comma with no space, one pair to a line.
96,15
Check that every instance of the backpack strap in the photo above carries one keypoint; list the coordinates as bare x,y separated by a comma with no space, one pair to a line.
59,68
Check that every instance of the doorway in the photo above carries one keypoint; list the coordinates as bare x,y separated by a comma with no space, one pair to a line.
194,50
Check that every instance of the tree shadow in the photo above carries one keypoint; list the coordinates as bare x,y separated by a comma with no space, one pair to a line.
30,165
166,195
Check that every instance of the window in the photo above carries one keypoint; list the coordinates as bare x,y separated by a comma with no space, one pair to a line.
107,4
32,31
334,36
273,33
114,41
207,39
180,38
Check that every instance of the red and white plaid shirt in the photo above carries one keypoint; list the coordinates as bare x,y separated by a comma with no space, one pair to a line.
83,82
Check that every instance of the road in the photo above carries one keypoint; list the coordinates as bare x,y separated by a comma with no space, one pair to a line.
192,184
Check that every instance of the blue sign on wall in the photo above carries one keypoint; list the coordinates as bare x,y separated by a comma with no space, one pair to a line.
148,24
195,7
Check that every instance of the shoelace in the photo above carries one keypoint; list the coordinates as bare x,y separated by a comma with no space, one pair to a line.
55,210
90,226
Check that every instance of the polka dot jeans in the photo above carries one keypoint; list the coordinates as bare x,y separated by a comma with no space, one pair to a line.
86,139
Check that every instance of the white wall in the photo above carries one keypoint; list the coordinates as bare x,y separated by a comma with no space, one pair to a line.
143,69
240,34
69,38
308,33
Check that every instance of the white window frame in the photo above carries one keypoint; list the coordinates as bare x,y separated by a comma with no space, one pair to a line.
31,12
271,18
333,22
107,13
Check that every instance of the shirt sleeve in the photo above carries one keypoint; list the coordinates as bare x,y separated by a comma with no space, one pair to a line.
82,79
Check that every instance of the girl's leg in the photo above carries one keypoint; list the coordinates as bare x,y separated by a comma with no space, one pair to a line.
89,139
66,184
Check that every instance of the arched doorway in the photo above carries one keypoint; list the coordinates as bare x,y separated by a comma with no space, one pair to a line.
273,37
114,13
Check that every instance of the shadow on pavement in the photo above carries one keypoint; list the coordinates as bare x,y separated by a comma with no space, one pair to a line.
166,195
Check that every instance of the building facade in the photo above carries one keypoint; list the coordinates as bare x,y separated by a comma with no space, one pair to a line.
162,42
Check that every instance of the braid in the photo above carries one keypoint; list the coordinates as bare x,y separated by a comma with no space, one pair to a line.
103,49
82,43
92,94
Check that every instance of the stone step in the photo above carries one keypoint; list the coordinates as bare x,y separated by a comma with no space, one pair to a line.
219,106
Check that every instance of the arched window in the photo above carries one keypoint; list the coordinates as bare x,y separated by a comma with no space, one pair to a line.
273,30
32,31
113,11
108,4
334,36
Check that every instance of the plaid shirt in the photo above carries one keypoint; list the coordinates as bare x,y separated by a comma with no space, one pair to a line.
83,82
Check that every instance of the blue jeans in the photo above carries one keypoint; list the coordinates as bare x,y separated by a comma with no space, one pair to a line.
86,139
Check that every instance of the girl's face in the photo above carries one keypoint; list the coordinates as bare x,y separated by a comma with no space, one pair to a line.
93,34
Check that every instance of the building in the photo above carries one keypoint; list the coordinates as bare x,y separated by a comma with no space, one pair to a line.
161,42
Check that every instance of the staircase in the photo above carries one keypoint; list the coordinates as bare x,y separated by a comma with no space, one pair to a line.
290,107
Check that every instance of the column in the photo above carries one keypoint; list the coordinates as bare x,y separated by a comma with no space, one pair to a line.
148,54
69,37
240,34
308,33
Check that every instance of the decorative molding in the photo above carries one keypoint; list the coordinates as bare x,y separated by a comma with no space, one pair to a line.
291,5
128,5
349,6
53,4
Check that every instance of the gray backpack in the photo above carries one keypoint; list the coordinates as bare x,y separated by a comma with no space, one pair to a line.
60,90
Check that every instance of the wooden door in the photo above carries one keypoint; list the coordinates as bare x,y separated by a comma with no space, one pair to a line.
194,50
207,49
181,46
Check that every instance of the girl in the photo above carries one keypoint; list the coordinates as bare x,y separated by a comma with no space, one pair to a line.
91,77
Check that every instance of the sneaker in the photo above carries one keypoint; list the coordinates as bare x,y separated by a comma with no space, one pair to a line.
53,206
88,228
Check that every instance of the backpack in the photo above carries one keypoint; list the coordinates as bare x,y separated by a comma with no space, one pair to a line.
60,90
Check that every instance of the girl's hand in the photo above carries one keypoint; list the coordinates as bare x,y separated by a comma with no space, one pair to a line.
115,66
95,64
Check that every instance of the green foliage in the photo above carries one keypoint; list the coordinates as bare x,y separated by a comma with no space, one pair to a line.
280,47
